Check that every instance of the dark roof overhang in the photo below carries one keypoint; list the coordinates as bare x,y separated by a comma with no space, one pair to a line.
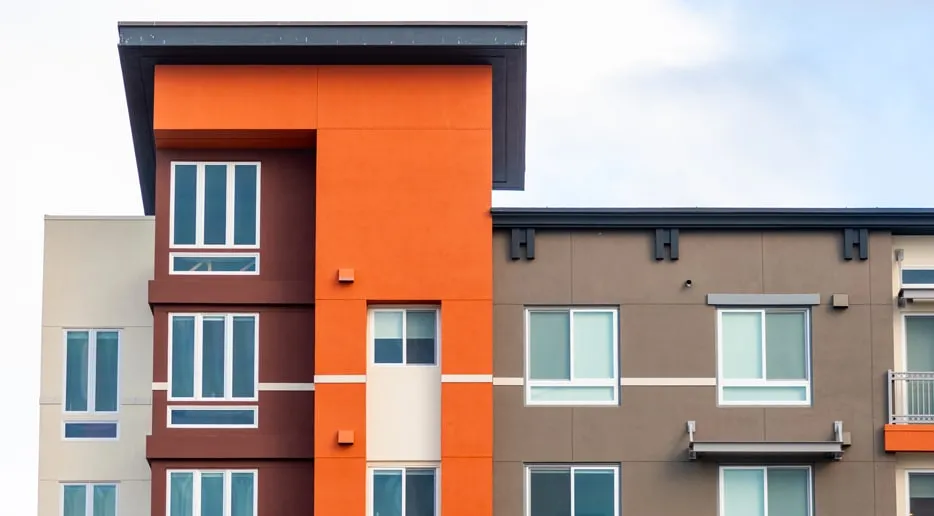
904,221
769,451
502,45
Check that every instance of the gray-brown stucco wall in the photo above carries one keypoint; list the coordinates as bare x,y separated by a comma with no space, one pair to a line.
668,331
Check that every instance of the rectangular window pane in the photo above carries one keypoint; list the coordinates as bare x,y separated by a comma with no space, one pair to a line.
212,357
105,500
244,359
183,356
741,345
387,337
785,346
241,492
420,335
921,493
594,335
212,494
550,492
788,492
205,417
759,394
549,346
245,204
91,430
185,212
594,492
107,365
75,500
215,204
743,492
181,501
571,394
387,493
215,264
918,276
420,492
76,371
919,345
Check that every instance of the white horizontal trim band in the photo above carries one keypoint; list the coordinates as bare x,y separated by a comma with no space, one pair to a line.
263,386
340,378
632,382
466,378
273,386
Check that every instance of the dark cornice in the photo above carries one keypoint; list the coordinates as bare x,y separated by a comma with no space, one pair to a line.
897,220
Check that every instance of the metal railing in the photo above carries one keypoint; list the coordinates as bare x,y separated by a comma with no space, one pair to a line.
911,397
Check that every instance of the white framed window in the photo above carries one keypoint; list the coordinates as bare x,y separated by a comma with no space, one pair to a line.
92,383
917,277
404,336
212,492
214,205
764,357
213,356
89,499
404,491
592,490
766,491
920,491
218,416
572,356
214,264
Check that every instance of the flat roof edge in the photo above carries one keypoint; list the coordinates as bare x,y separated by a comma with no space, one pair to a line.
272,23
101,217
897,220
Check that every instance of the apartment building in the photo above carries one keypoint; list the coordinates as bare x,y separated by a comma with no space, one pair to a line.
322,314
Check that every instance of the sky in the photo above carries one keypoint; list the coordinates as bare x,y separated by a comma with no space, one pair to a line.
634,103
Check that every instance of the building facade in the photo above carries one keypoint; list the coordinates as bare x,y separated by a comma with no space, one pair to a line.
322,314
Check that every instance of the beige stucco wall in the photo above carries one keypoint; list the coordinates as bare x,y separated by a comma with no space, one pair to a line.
96,273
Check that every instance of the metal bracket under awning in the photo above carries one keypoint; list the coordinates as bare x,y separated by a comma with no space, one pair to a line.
911,295
773,451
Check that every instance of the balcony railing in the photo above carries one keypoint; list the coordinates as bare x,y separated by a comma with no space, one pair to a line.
911,397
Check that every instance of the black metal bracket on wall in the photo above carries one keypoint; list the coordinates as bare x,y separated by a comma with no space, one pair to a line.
669,238
858,238
522,238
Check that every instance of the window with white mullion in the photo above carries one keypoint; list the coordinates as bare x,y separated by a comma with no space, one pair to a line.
91,371
405,491
213,356
572,356
766,491
572,490
764,356
211,492
215,205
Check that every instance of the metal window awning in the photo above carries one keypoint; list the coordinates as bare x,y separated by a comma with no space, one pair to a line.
915,294
771,451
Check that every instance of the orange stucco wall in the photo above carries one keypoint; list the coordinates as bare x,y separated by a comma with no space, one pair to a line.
404,164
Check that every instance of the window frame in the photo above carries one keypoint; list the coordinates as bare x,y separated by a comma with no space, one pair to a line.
371,333
614,382
908,473
371,473
721,498
88,496
806,383
617,493
252,408
173,272
901,276
199,205
112,421
196,487
228,357
92,372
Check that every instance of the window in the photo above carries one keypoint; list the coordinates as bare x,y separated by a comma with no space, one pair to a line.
92,362
404,492
405,336
213,356
89,500
572,491
764,357
214,206
920,492
212,493
918,277
212,417
572,356
765,491
214,263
